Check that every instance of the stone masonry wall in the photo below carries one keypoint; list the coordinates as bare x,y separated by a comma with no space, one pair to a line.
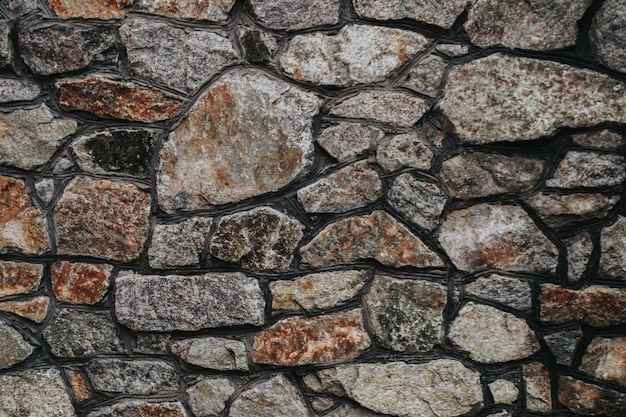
321,208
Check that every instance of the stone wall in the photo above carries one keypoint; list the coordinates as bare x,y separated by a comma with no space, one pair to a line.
333,208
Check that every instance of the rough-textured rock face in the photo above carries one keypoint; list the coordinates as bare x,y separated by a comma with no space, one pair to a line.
276,397
178,244
18,90
141,409
604,358
19,278
563,344
604,139
344,141
590,399
89,9
503,391
608,34
132,377
80,283
406,150
208,397
214,10
14,349
537,382
613,259
429,11
557,210
34,309
297,14
213,353
420,202
426,76
588,169
511,292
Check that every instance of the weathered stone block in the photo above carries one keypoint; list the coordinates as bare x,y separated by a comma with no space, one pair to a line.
34,309
276,397
80,283
213,353
178,244
128,377
13,347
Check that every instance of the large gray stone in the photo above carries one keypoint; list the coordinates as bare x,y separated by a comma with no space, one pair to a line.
6,47
13,348
18,90
434,12
213,353
345,141
132,377
178,244
295,14
511,292
208,397
588,169
613,244
608,34
421,202
557,210
276,397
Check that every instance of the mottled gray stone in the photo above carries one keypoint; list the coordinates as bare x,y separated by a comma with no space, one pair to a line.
79,334
208,397
30,137
132,377
604,139
183,59
557,210
213,353
151,343
579,250
214,10
420,202
13,348
45,189
613,244
18,90
178,244
608,35
534,98
511,292
408,150
433,12
452,49
563,344
295,14
6,48
276,397
20,7
590,399
537,382
357,54
604,359
257,45
503,391
426,76
344,141
490,335
320,404
141,409
346,410
588,169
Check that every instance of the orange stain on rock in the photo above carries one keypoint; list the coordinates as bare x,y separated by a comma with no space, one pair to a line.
79,386
34,309
90,9
80,283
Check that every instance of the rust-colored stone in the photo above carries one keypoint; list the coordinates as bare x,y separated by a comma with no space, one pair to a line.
80,282
299,341
605,358
161,410
34,309
79,385
110,98
90,9
19,277
590,399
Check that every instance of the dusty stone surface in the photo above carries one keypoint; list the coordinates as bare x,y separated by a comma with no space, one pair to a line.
557,210
326,339
247,135
613,243
604,359
604,139
511,292
359,183
426,76
373,236
213,10
493,236
213,353
491,335
79,385
503,391
277,14
420,202
590,399
80,283
405,315
208,397
102,218
563,344
588,169
345,141
89,9
537,382
106,97
276,397
13,348
408,150
318,291
535,98
258,46
178,244
34,309
261,238
358,54
141,409
608,35
31,137
139,377
19,277
429,11
18,90
210,300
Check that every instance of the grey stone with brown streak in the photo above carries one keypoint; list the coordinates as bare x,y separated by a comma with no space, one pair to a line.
537,383
557,210
407,150
604,359
421,202
590,399
511,292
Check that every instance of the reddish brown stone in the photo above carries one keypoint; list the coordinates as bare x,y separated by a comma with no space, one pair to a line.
79,386
605,358
90,9
590,399
161,410
121,100
19,277
299,341
34,309
79,282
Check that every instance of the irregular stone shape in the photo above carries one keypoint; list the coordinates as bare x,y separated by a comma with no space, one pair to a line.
34,309
210,300
13,348
318,291
493,236
595,305
80,283
359,185
346,410
407,150
537,382
124,151
503,391
276,397
322,404
89,9
613,243
396,108
176,57
588,169
31,137
261,238
590,399
480,174
257,45
426,76
563,345
132,377
452,49
18,90
604,139
491,335
608,35
296,341
141,409
79,385
247,135
178,244
420,202
557,210
79,334
373,236
23,227
345,141
511,292
214,10
35,393
605,358
292,15
208,397
19,277
358,54
20,7
54,49
534,98
429,11
105,97
152,343
102,218
45,189
6,45
213,353
440,388
405,315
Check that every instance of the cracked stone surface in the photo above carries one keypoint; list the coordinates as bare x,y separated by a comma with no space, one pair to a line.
213,353
557,210
19,278
511,292
588,169
141,377
537,382
421,202
563,344
590,399
404,151
178,244
208,397
345,141
34,309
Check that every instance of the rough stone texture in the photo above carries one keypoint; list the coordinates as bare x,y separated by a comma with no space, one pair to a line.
373,236
426,76
210,300
31,137
102,218
357,54
6,49
430,11
34,309
139,377
491,335
613,244
20,7
326,339
178,58
89,9
79,385
537,382
19,277
141,409
407,150
80,334
106,97
392,107
359,183
45,189
23,227
511,292
208,397
346,410
34,393
247,135
213,10
604,139
151,343
595,305
588,169
13,348
480,174
276,397
563,344
420,202
452,49
257,45
535,98
608,35
589,399
178,244
557,210
317,291
493,236
345,141
405,315
80,283
503,391
18,90
280,14
605,358
213,353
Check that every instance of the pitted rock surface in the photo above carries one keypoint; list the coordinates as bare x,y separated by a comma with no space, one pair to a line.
140,377
588,169
604,358
421,202
590,399
430,11
89,9
80,283
344,141
208,397
511,292
34,309
18,90
134,408
538,390
178,244
407,150
557,210
19,278
563,345
608,34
